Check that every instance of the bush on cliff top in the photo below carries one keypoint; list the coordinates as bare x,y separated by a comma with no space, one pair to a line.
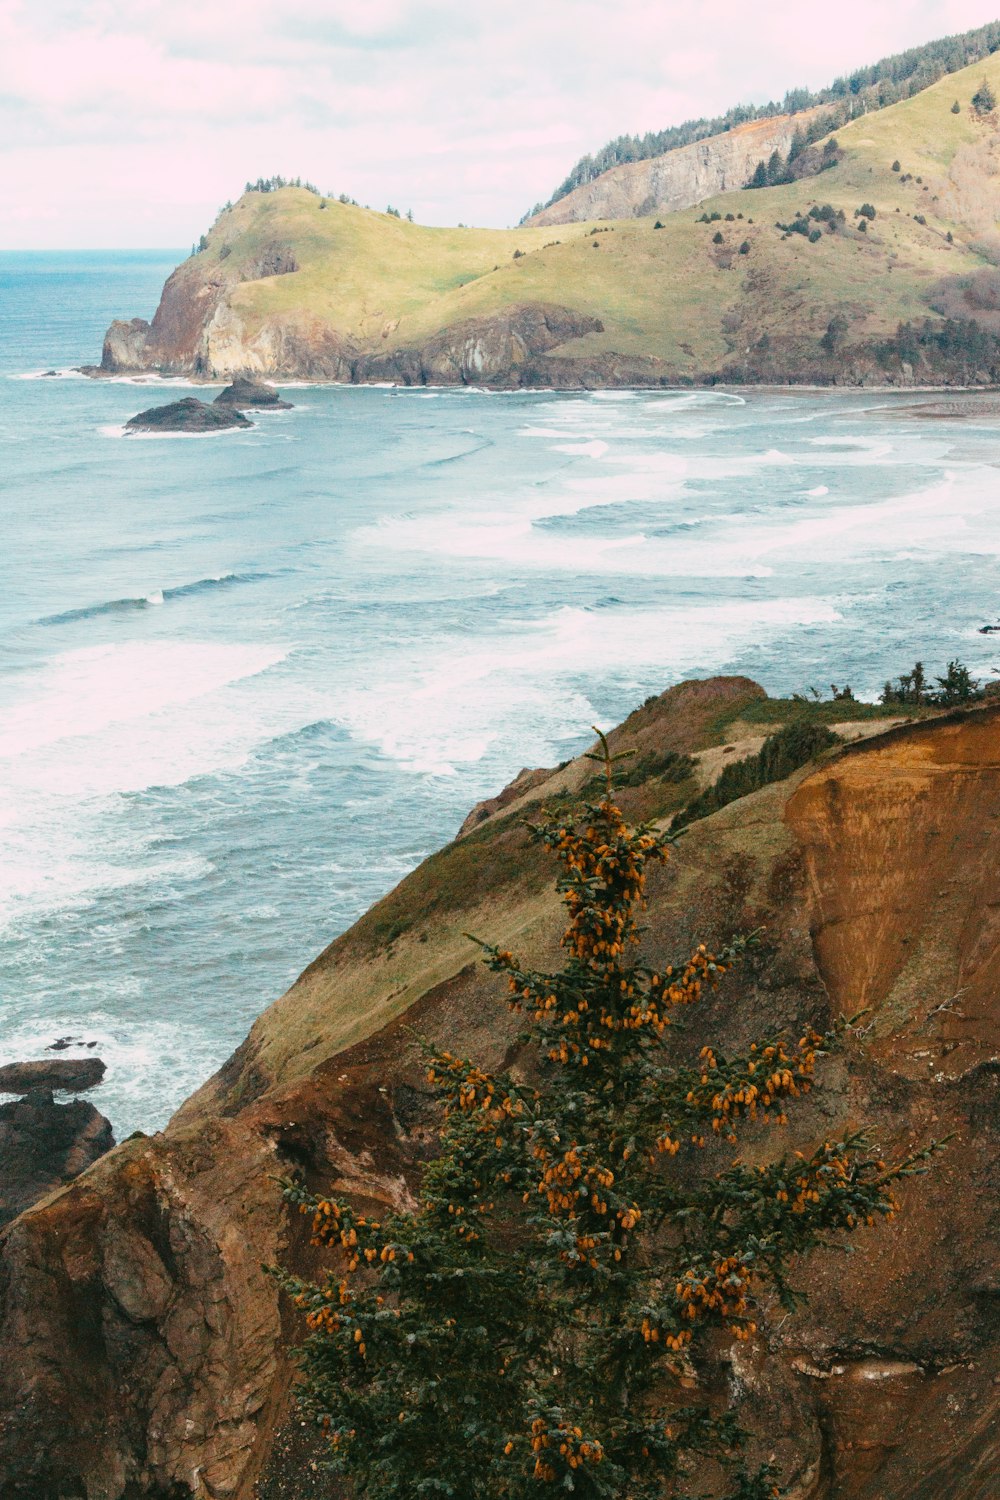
529,1328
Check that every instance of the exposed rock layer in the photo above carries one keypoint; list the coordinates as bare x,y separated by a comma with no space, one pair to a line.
679,178
143,1346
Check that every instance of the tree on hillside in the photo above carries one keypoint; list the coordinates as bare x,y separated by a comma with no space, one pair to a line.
956,108
984,101
835,333
533,1321
759,178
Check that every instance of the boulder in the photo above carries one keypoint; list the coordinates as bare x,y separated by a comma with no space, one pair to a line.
187,415
125,346
245,392
71,1073
44,1145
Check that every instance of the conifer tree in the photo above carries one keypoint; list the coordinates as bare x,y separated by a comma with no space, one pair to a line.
528,1328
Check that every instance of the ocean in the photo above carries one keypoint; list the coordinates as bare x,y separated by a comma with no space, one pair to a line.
248,681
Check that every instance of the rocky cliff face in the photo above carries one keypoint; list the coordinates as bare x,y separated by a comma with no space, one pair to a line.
143,1350
197,331
679,178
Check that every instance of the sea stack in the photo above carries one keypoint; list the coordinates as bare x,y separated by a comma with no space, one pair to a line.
187,415
244,393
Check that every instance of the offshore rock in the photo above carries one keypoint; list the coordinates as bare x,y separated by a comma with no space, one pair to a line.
71,1073
188,415
44,1145
244,393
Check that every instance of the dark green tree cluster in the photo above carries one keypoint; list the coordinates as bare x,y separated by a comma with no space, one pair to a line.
896,77
984,100
959,347
272,184
783,752
529,1327
954,689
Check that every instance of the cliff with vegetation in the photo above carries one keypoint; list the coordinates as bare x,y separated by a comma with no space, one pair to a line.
687,175
144,1352
867,89
879,268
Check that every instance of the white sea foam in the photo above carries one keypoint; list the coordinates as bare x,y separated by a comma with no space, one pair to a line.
528,676
594,449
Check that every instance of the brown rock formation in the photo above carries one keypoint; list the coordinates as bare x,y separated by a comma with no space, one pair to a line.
44,1145
71,1073
679,178
497,347
143,1347
176,340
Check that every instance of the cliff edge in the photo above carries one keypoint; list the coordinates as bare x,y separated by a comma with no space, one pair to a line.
144,1351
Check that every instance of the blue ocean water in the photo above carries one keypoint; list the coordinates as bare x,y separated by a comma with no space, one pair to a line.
248,681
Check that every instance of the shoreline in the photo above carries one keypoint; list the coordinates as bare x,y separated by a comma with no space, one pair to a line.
152,377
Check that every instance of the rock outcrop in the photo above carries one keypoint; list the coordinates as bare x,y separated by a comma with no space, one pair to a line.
679,178
187,415
245,393
70,1073
143,1351
497,348
177,339
44,1145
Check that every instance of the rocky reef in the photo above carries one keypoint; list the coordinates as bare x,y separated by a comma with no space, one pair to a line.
143,1351
187,415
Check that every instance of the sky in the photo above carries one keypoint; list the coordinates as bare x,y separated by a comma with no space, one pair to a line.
128,123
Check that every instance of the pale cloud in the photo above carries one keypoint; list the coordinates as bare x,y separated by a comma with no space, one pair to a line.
129,123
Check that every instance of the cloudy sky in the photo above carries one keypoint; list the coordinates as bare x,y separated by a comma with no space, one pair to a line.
128,122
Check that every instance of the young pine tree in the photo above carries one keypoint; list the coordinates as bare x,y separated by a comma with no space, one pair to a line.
529,1328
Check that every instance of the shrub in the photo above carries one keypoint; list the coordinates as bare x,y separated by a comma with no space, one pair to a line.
745,248
956,108
866,211
717,237
896,166
984,101
782,753
956,687
658,225
531,1321
834,335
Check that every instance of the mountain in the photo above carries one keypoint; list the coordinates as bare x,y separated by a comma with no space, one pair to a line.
750,288
143,1350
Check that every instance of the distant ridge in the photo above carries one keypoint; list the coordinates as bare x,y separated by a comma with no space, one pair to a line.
885,82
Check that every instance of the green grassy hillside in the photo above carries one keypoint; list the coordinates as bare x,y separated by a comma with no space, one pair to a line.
678,294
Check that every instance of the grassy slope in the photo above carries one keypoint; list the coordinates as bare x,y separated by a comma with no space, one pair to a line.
664,292
497,884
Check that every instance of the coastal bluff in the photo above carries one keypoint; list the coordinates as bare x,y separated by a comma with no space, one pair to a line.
143,1348
876,271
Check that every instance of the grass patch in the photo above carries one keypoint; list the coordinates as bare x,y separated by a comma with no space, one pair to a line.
783,752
